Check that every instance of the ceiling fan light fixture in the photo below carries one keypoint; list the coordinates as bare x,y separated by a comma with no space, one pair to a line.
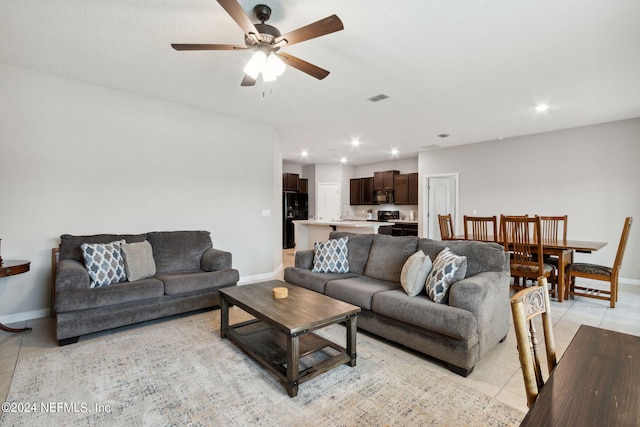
256,64
275,65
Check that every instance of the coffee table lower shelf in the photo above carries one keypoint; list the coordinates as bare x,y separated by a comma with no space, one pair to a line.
271,348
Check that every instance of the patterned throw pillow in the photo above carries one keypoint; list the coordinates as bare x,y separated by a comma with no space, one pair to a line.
331,256
104,263
448,268
414,273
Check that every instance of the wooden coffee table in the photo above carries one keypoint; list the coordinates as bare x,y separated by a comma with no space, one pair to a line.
281,333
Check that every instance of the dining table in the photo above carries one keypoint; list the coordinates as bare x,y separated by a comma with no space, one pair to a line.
596,383
563,250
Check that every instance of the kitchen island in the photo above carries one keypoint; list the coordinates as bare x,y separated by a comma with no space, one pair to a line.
307,232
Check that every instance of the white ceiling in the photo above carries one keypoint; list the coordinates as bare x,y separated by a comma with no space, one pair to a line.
473,69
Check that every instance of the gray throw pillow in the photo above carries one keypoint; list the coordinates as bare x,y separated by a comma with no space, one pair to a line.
447,269
138,260
414,273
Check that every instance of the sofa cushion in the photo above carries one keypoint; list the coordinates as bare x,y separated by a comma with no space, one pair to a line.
313,281
70,244
119,293
358,290
191,281
178,250
424,313
104,263
481,256
359,246
138,260
447,269
414,273
388,255
331,256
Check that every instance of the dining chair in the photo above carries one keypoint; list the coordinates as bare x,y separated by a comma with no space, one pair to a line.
554,228
599,272
483,228
526,306
522,240
446,227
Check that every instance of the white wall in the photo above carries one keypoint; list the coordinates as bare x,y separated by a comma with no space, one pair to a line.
590,173
81,159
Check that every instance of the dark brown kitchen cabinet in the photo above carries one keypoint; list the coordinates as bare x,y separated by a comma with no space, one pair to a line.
304,185
361,191
290,182
406,189
355,191
384,180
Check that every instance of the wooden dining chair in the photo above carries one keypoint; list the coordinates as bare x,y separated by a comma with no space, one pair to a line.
483,228
599,272
526,305
446,227
522,240
554,228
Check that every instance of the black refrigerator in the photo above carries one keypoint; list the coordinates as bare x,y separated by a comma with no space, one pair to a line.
295,206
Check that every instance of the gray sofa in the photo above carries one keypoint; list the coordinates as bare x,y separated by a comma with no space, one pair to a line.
189,273
459,332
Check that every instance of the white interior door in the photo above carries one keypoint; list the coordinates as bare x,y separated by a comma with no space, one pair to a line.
442,199
328,202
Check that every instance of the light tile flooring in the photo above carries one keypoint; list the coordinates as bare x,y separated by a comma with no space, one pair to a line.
497,374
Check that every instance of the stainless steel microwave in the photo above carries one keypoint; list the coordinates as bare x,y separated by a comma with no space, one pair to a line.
383,196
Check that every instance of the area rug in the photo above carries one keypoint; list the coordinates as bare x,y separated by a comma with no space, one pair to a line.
181,372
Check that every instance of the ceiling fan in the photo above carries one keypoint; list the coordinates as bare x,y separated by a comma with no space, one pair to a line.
266,41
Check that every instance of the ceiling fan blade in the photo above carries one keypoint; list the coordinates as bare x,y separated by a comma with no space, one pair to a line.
238,14
180,46
319,28
303,66
248,81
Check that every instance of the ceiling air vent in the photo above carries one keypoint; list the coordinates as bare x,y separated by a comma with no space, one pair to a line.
431,147
378,97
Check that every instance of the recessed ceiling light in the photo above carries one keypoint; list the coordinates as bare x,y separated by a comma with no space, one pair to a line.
394,151
355,142
304,153
343,160
540,108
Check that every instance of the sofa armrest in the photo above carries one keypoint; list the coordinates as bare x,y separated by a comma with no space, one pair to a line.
486,295
71,274
215,260
304,259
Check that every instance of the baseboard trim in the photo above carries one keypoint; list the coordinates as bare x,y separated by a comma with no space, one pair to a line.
26,315
629,281
245,280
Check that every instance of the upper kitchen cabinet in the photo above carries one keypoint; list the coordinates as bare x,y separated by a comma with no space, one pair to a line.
304,185
361,191
406,189
290,182
384,180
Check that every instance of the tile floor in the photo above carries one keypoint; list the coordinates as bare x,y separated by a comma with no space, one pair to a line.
497,374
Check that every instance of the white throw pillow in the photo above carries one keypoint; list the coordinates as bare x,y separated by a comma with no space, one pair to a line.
331,256
138,260
447,269
414,273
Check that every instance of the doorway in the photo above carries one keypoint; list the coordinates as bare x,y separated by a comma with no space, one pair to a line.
442,198
328,205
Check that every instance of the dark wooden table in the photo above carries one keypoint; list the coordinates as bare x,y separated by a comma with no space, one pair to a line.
281,332
596,383
11,268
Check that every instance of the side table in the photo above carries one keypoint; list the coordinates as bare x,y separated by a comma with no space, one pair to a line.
11,268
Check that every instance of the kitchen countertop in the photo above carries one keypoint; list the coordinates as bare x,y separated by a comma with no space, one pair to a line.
346,223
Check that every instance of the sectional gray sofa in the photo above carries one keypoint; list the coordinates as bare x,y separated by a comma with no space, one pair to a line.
188,274
458,332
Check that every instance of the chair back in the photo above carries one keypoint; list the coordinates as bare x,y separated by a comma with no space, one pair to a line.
526,305
554,228
483,228
623,244
446,227
522,238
